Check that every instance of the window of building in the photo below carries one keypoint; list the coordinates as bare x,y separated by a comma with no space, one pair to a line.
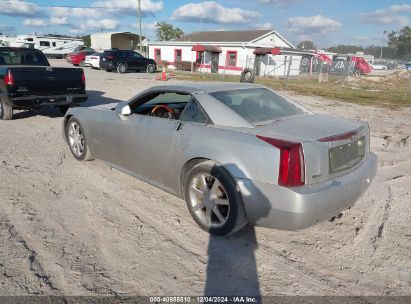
54,44
157,55
232,58
178,55
200,57
44,43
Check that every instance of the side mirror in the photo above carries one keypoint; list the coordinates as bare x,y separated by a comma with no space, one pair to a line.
125,111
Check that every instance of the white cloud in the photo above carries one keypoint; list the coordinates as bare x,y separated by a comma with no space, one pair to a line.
214,13
312,25
388,16
280,2
400,8
59,21
148,7
263,26
19,8
93,24
75,12
35,22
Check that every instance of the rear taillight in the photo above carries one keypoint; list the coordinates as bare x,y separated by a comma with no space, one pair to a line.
83,79
291,172
9,79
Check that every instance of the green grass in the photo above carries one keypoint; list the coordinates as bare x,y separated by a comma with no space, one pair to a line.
390,91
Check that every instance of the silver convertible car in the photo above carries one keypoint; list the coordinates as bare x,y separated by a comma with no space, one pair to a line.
237,153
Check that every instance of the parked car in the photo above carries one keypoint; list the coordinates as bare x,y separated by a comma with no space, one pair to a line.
79,58
28,81
93,60
123,61
238,153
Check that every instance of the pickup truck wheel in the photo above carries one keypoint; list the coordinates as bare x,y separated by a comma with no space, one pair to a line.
213,199
121,68
151,68
6,111
76,140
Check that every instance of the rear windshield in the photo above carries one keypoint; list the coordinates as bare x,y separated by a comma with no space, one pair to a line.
22,57
258,106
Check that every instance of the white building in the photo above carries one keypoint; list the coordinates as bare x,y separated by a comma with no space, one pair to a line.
230,52
118,40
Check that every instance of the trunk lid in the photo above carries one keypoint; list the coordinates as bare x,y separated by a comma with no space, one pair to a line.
332,146
308,127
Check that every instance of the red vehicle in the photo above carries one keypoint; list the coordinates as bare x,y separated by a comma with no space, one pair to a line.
78,58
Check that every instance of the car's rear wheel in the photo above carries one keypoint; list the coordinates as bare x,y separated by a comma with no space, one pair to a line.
77,140
6,111
151,68
213,199
121,68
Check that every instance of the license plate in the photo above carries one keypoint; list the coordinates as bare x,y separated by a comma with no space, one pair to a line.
346,156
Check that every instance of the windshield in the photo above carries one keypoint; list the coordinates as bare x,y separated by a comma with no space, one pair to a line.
258,106
22,57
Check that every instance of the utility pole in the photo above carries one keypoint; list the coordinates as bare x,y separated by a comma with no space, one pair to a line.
382,45
139,21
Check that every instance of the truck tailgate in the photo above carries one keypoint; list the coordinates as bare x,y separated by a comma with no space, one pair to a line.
47,80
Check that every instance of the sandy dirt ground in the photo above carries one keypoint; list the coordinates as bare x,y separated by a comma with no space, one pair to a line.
82,228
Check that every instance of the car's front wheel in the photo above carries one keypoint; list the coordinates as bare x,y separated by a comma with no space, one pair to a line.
151,68
76,140
6,111
121,68
213,199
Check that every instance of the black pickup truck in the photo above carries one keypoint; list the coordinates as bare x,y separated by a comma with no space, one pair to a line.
27,81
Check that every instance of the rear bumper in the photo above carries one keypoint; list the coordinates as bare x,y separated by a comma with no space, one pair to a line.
38,101
300,207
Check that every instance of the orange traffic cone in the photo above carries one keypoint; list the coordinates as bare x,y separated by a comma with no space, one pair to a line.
163,74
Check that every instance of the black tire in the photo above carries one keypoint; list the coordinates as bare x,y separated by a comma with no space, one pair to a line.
247,76
82,63
122,68
85,155
63,109
236,216
6,111
151,68
108,70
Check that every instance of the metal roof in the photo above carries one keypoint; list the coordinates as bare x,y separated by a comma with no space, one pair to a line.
224,36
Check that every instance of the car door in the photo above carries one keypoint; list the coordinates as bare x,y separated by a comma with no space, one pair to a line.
139,61
141,144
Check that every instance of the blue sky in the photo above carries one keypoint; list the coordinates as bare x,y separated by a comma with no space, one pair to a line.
326,22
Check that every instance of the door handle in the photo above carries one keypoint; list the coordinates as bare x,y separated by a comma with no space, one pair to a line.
179,126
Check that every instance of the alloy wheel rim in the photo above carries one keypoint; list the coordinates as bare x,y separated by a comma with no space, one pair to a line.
209,200
76,139
122,68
